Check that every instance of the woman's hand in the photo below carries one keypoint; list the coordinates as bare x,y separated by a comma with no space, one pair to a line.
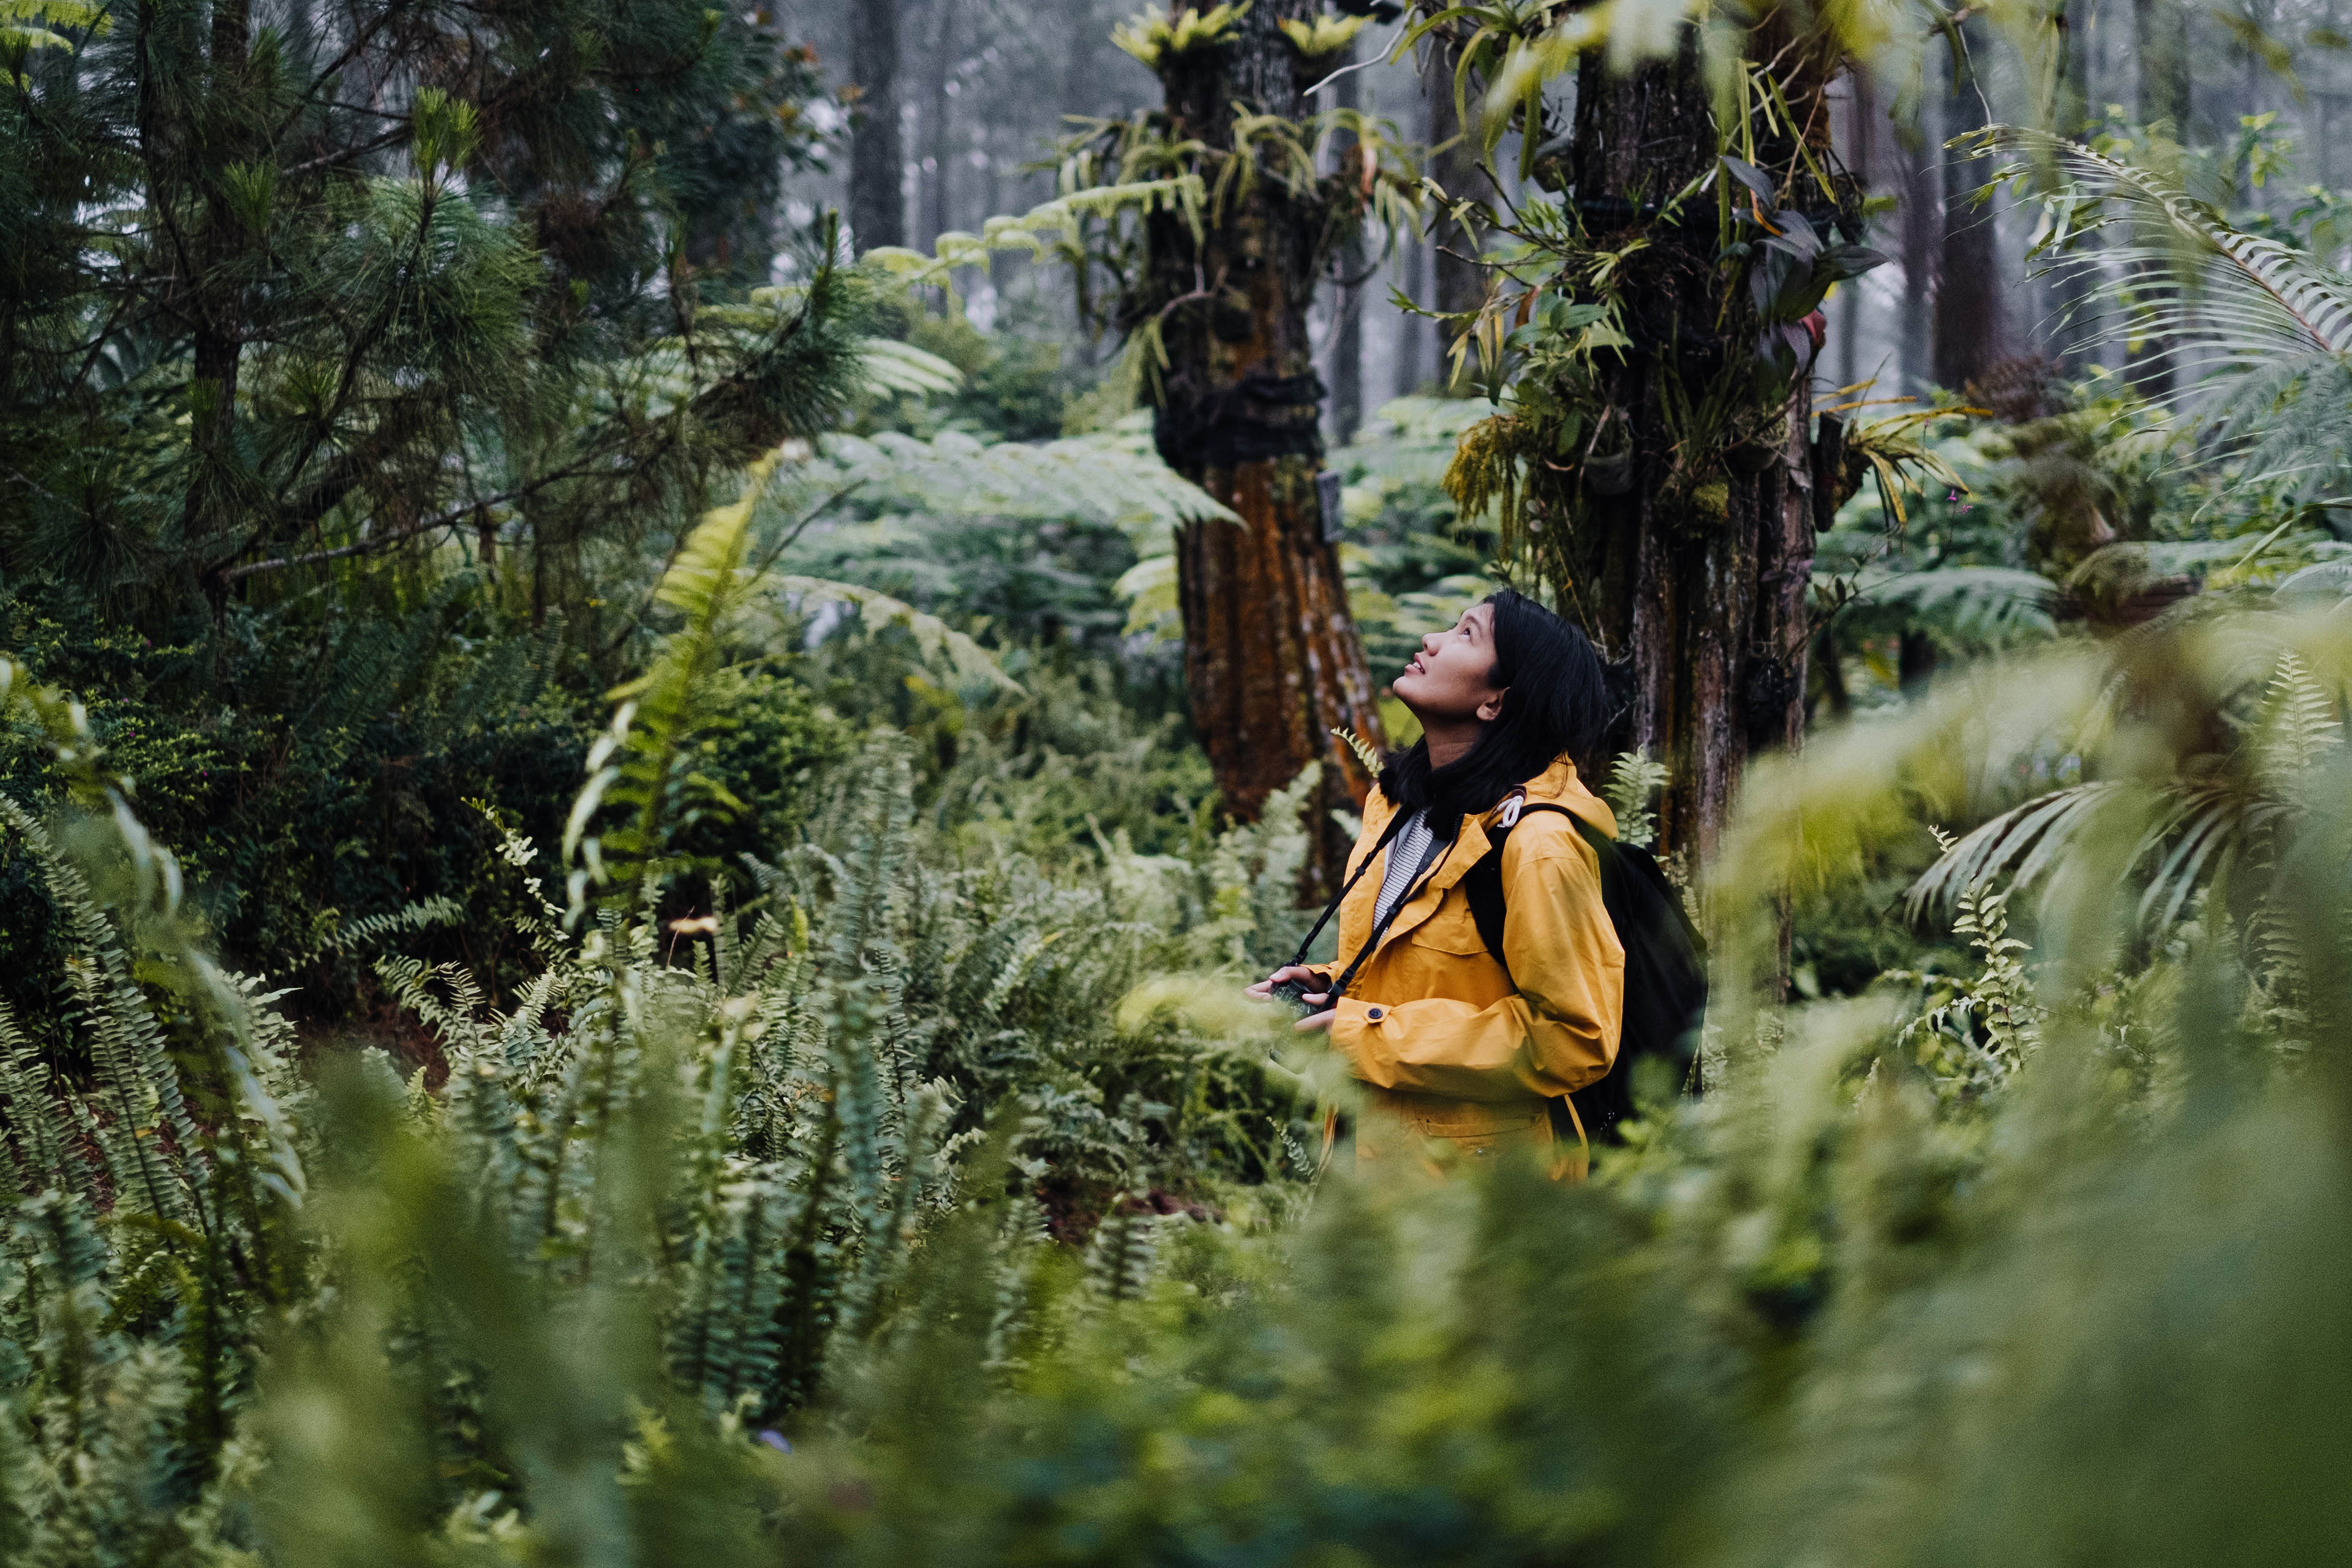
1264,988
1306,1025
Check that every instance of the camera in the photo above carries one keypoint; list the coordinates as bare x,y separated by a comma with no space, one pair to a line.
1296,992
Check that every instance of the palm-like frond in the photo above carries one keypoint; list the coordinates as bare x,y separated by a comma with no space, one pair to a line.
21,22
1111,477
1050,226
932,635
1992,604
889,365
2024,843
645,765
2171,837
2238,302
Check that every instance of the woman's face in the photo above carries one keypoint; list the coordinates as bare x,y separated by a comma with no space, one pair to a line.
1452,679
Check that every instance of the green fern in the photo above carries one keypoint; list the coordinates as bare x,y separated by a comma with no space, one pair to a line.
644,767
21,28
1634,780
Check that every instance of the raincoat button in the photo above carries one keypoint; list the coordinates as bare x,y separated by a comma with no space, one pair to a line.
1375,1014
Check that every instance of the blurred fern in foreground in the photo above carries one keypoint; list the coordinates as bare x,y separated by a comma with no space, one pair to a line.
924,1207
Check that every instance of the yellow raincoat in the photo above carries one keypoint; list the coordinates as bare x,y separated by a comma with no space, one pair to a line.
1452,1056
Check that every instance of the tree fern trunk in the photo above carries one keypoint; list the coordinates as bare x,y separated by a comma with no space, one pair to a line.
1703,615
1347,310
1459,281
939,112
1922,230
1271,657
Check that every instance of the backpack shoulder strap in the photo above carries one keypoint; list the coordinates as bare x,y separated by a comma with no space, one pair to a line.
1483,883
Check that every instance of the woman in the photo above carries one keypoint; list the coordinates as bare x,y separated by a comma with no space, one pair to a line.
1456,1051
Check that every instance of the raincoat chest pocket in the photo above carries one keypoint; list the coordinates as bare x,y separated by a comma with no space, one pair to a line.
1450,929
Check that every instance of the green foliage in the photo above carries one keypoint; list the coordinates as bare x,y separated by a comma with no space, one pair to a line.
461,302
849,1147
1153,37
1634,781
678,1180
912,1209
309,781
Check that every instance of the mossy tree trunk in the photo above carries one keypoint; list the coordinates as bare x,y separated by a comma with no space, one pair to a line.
1701,561
1271,657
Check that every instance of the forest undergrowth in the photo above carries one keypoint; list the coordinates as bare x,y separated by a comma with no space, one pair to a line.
933,1199
550,1017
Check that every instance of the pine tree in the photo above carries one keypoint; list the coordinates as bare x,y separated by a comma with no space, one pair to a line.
290,287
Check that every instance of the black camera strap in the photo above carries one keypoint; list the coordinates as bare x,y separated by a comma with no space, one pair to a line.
1381,927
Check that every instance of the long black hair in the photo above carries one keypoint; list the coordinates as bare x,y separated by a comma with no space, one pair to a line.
1555,701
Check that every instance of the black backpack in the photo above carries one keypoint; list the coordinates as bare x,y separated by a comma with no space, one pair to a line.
1665,967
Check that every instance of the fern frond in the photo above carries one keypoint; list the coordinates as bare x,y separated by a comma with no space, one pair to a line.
1109,476
2243,302
1036,232
1361,750
2301,724
40,1139
1634,778
1124,1252
644,765
2019,845
1995,603
888,365
142,1088
370,929
20,22
932,635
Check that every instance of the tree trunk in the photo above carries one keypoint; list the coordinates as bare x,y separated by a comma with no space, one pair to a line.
876,211
1862,157
1922,233
936,194
2075,290
1461,282
1971,328
1347,310
1703,617
2160,36
1272,660
1412,332
218,492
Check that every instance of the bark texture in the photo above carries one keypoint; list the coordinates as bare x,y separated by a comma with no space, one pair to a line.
1348,307
1863,139
1922,231
2161,35
1704,617
1972,317
876,214
1461,282
1272,659
940,130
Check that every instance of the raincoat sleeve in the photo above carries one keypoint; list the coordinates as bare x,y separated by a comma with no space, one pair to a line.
1557,1032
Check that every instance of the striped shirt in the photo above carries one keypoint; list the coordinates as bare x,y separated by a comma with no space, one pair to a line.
1408,853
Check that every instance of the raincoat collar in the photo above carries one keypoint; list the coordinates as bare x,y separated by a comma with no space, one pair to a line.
1555,785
